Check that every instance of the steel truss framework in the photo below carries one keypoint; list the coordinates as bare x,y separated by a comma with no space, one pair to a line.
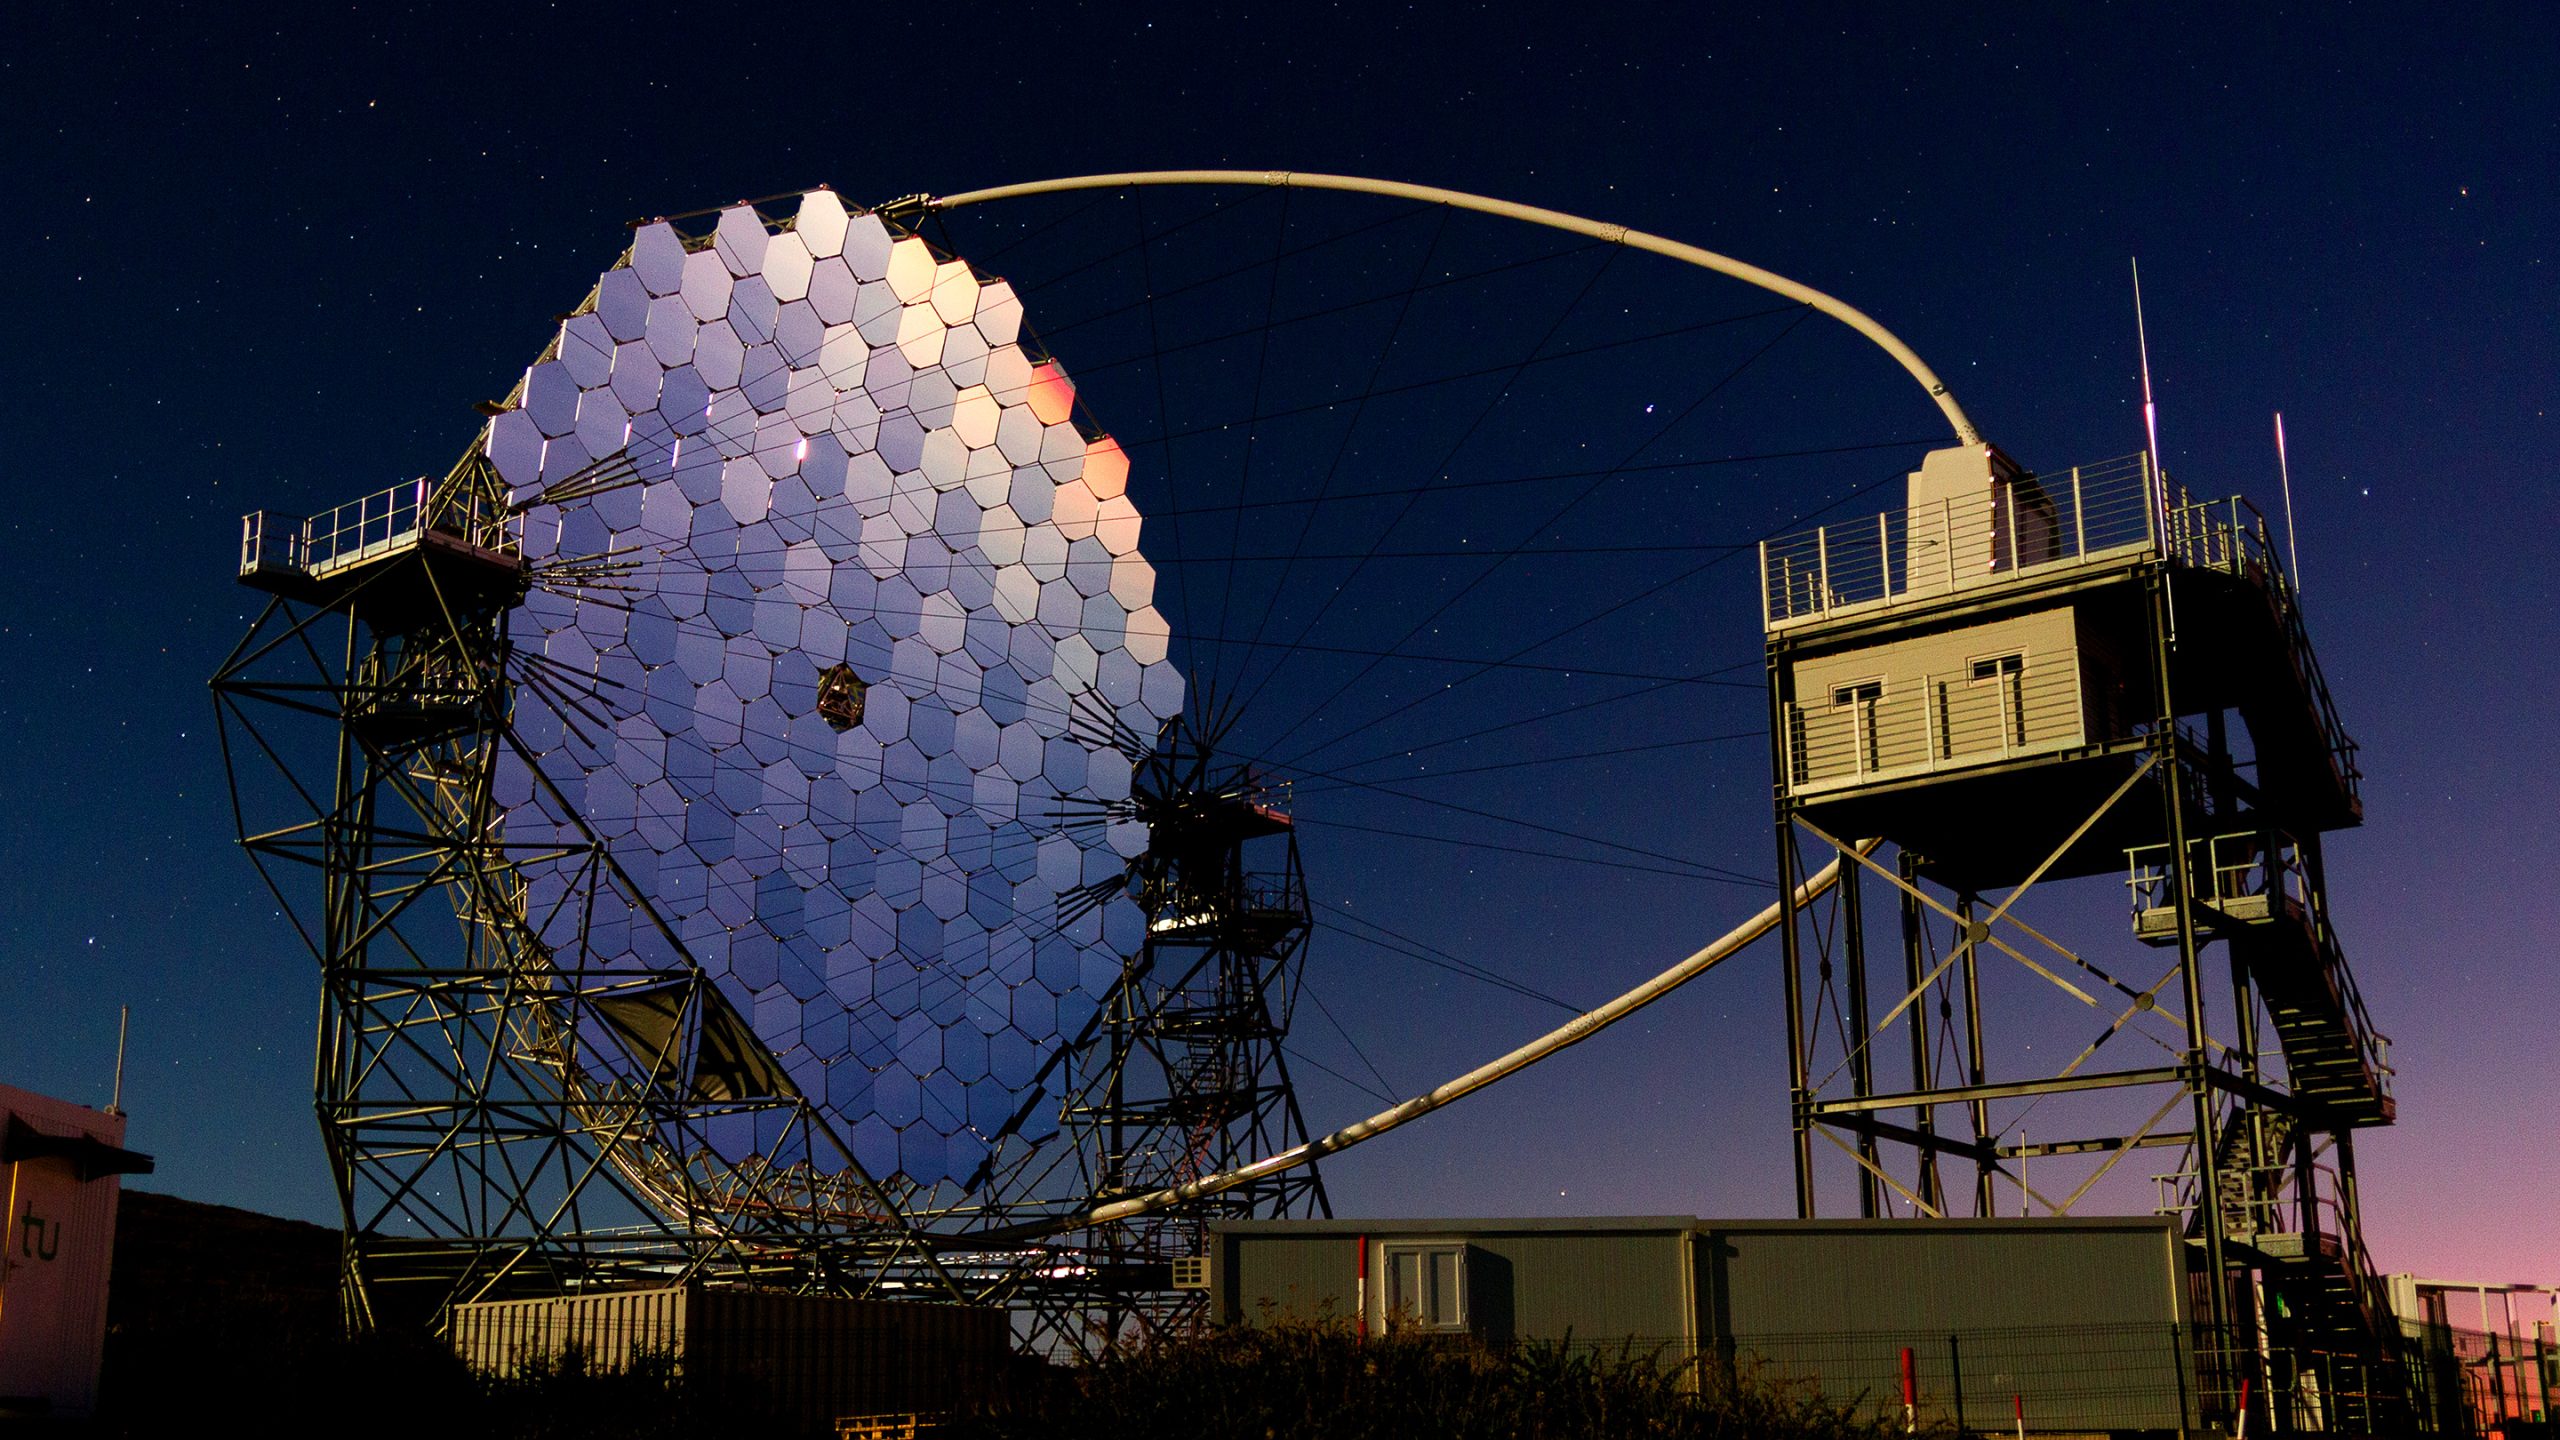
501,1114
1888,1035
504,1116
1189,1079
1180,1076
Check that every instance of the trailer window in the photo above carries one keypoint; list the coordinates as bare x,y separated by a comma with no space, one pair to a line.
1427,1286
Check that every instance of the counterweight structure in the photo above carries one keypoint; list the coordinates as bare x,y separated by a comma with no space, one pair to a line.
2042,693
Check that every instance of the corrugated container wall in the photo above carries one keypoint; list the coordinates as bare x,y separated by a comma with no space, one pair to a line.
2080,1322
61,1182
807,1359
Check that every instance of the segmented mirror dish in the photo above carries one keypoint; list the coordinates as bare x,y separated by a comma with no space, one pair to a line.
835,670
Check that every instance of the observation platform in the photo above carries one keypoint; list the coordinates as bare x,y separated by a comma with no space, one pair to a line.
1975,673
397,558
1205,896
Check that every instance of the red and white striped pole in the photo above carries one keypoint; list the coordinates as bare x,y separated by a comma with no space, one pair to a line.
1361,1293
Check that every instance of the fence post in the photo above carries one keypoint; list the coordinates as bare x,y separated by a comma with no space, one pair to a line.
1910,1395
1955,1376
2178,1366
2542,1379
2079,515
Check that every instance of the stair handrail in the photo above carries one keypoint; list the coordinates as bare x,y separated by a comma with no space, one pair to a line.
2237,541
2372,1045
2342,746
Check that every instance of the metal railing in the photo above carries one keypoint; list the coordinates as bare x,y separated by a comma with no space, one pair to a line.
2260,1200
374,525
2372,1045
2243,865
271,540
2228,535
1181,909
1938,722
2232,537
2240,865
2465,1381
2312,1391
2085,513
2121,1377
2354,1391
2162,1377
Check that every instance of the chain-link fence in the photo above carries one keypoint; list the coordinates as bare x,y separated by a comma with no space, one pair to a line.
2467,1382
2077,1379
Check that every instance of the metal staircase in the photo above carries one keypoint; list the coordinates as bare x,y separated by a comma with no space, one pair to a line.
2332,1054
2251,888
2332,1339
2333,1343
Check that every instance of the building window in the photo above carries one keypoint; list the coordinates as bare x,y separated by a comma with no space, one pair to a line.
1426,1286
1863,698
2009,672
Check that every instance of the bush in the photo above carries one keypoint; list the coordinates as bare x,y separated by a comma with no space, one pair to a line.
396,1387
1322,1380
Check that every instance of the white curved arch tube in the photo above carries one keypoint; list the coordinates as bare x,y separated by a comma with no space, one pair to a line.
1579,1028
1839,310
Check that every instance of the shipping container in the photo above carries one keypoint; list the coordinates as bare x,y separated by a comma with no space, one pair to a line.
60,1164
2080,1323
806,1359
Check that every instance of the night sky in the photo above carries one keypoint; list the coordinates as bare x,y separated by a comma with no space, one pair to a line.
275,267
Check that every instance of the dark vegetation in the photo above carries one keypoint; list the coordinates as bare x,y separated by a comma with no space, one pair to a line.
1287,1382
223,1319
1324,1381
228,1321
396,1388
1290,1381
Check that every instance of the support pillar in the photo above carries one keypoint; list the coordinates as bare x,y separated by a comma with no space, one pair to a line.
1853,940
1978,1111
1914,966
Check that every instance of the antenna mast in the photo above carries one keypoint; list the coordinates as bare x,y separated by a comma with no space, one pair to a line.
115,1097
2284,472
2142,343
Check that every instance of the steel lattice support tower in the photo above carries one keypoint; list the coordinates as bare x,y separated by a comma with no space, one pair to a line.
1185,1076
674,783
508,1113
502,1114
2005,705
